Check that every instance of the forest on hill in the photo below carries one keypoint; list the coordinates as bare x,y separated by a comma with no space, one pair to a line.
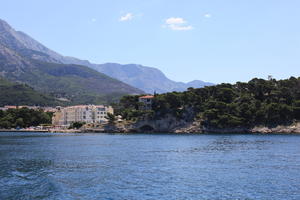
21,94
257,102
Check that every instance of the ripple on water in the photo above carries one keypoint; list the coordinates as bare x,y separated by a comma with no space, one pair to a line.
99,166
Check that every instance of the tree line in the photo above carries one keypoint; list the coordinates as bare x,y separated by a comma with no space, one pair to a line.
23,117
257,102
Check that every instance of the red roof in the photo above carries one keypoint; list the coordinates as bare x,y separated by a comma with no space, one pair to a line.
146,97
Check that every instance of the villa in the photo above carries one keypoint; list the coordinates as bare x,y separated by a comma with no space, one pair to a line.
146,102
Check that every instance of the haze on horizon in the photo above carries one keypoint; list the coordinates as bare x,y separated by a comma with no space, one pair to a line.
210,40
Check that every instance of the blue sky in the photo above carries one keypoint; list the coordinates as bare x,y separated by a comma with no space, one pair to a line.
211,40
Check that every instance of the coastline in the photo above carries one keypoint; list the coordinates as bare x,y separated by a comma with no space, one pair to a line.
181,127
23,130
189,129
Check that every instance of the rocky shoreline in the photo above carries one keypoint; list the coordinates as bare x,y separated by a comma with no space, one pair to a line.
163,126
181,127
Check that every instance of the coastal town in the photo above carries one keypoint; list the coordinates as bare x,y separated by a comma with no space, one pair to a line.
134,113
63,118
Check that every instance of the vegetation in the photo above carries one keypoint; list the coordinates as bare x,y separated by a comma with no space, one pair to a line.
77,84
24,117
111,118
76,125
22,94
258,102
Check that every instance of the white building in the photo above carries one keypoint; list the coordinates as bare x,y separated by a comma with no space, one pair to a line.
81,113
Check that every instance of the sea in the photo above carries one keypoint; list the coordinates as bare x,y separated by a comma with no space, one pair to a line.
141,166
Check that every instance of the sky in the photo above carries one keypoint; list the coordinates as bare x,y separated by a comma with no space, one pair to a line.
210,40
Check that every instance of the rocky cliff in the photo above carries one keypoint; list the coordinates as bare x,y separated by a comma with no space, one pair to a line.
172,125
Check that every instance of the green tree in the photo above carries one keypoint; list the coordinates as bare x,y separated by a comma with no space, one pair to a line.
76,125
20,123
111,117
5,124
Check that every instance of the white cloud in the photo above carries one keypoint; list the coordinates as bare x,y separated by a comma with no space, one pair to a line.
175,20
207,15
93,20
177,24
126,17
180,27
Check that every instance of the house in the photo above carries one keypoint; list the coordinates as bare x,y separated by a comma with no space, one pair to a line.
146,102
81,113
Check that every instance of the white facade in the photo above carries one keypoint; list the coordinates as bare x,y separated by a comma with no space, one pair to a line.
81,113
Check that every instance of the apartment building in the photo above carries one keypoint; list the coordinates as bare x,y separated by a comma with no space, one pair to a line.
81,113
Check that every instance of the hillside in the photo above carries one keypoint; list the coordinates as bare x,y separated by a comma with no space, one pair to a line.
21,94
78,84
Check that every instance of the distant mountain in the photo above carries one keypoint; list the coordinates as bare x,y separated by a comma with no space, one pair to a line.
198,84
21,94
24,60
148,79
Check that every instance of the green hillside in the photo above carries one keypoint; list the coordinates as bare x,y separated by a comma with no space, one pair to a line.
78,84
21,94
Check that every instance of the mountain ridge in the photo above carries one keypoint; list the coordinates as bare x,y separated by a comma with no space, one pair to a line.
22,61
148,79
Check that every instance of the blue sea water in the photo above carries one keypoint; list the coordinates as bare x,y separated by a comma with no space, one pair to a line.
149,166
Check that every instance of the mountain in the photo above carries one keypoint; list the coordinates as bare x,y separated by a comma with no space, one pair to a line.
24,60
198,84
25,45
21,94
148,79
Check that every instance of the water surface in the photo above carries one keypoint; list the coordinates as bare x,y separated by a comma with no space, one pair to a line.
135,167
